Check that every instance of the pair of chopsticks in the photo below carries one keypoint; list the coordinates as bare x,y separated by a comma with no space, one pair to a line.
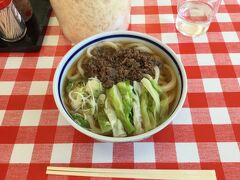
133,173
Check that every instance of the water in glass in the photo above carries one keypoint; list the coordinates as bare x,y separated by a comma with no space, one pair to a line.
194,17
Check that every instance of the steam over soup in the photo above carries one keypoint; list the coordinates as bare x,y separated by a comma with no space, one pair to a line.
120,89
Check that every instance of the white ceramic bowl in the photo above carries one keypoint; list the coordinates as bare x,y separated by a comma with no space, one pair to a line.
129,36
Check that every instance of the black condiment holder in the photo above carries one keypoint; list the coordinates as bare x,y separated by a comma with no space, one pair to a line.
36,28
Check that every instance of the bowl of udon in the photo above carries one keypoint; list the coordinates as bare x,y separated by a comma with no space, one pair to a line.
120,86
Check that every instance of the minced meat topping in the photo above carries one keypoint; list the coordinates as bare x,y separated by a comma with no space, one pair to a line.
111,66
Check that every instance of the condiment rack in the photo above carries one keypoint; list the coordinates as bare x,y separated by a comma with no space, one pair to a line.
36,28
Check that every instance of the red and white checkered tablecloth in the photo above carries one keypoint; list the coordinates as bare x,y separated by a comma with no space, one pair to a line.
204,135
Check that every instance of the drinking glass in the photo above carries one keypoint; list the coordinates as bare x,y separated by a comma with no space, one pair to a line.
194,16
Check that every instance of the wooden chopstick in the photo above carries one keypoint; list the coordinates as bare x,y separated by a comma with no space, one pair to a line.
133,173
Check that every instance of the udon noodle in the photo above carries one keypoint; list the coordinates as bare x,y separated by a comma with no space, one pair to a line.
88,94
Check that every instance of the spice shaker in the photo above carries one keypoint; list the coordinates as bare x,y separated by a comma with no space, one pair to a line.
24,7
12,26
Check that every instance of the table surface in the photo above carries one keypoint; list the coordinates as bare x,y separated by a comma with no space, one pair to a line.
204,135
